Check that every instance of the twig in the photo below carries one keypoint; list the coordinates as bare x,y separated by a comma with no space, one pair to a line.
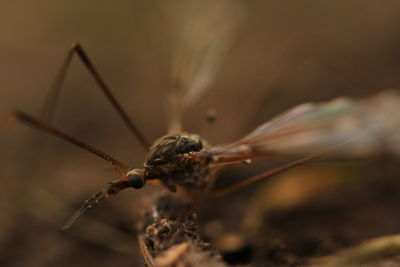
169,237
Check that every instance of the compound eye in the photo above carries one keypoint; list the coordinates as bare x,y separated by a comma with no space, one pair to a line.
136,181
197,146
183,145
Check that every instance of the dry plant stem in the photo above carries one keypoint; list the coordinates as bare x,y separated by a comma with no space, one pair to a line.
145,252
361,254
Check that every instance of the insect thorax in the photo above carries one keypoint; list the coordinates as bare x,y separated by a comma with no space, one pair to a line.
171,160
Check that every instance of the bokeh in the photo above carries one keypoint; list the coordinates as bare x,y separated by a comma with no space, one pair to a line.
283,53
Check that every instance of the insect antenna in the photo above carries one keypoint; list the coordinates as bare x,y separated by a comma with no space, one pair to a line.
94,199
112,189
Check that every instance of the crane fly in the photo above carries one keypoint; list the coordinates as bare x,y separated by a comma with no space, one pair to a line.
185,160
180,159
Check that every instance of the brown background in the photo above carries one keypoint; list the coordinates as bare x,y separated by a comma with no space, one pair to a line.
284,53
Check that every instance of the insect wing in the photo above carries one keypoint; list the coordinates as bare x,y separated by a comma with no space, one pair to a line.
353,127
203,31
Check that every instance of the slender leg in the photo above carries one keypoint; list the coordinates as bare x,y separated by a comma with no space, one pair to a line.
28,119
262,176
59,81
51,100
231,163
267,174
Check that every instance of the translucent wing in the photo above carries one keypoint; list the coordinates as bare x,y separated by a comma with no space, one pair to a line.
203,31
353,127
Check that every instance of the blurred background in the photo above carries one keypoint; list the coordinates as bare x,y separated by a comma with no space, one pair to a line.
282,53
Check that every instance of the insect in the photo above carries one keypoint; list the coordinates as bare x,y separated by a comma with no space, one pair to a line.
184,160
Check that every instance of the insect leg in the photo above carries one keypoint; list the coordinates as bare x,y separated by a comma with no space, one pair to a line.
231,188
59,81
32,121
